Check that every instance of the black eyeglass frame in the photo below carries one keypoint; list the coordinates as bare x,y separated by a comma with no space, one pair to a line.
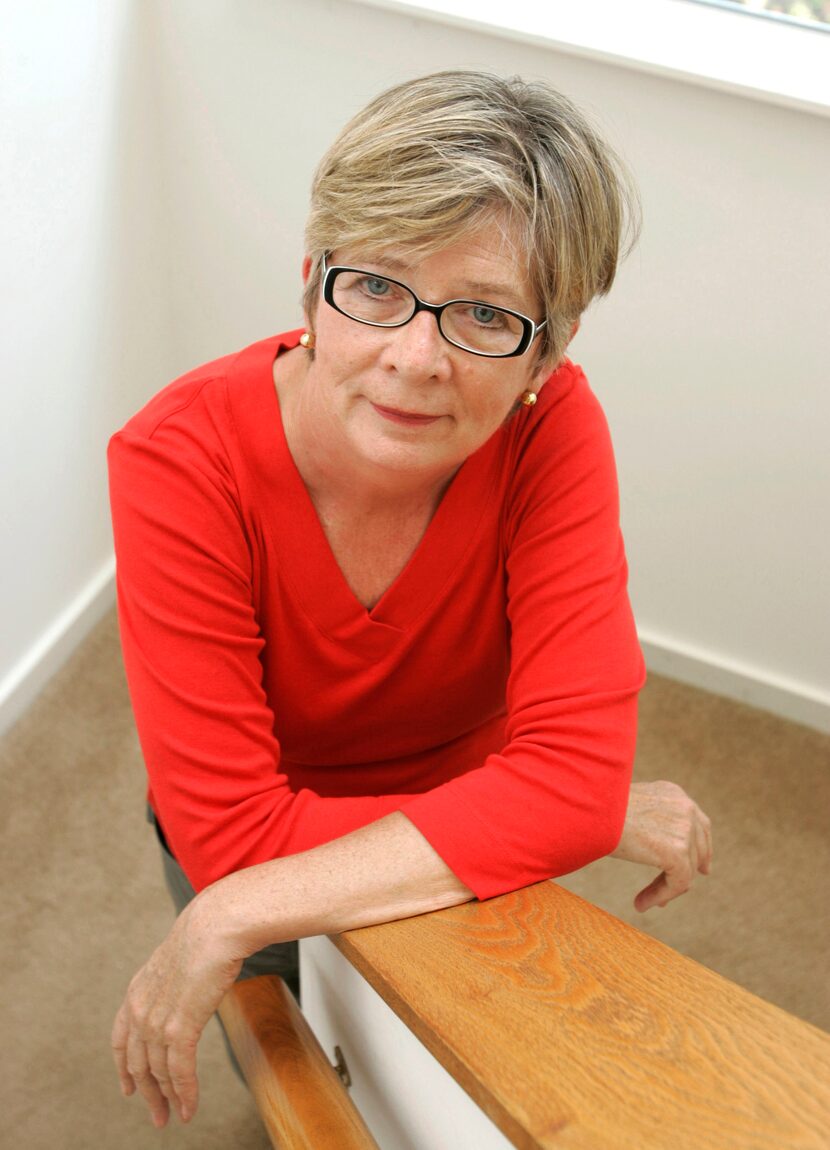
529,329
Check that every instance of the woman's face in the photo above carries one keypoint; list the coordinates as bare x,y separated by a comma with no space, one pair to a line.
404,398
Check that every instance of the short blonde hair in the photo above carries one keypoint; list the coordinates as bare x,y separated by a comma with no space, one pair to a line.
433,158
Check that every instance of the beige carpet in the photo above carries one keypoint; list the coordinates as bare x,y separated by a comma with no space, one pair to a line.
83,901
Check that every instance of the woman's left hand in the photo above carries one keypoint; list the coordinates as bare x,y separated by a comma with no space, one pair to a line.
168,1004
664,828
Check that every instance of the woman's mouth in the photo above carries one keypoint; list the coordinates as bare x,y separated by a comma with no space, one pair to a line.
410,418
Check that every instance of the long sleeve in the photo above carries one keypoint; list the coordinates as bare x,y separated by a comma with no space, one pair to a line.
554,798
192,648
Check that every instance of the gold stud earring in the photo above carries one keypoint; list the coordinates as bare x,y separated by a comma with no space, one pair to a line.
529,398
307,340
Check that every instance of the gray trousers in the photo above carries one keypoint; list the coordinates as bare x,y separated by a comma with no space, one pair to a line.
282,958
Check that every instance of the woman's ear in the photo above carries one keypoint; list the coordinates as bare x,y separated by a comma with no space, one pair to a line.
306,269
547,369
544,373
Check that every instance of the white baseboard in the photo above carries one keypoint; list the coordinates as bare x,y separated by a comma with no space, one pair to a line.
27,679
713,672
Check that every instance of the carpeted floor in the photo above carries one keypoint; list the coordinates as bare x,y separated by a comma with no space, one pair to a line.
83,901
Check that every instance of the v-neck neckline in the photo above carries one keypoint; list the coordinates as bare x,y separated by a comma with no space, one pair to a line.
305,556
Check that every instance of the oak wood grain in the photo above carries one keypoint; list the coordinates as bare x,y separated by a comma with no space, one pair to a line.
572,1029
302,1102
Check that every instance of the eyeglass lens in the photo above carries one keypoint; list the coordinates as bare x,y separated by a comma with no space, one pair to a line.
377,300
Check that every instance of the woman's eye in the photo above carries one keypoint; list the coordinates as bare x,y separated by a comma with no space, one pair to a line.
484,315
375,286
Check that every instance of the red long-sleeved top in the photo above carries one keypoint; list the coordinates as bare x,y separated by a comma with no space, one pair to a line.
490,695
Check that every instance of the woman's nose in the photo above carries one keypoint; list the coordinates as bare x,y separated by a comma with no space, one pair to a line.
418,348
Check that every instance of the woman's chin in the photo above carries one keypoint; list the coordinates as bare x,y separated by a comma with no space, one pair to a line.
397,449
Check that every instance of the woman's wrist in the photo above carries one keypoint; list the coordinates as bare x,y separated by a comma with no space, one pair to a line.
232,916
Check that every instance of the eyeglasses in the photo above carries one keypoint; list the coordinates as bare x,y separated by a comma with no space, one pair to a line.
470,324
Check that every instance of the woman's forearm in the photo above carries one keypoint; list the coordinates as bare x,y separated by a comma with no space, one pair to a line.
384,871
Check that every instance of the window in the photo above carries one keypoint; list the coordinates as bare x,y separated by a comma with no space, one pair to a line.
780,58
813,13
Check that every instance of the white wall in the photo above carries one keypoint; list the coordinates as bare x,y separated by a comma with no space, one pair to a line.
82,321
710,356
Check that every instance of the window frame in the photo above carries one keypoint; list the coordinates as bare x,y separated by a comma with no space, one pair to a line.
777,61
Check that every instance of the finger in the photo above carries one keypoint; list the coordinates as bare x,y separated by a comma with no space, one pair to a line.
157,1058
673,882
707,826
652,895
679,877
181,1063
704,846
118,1042
148,1088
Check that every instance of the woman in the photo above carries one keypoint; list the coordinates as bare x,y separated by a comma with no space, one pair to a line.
372,588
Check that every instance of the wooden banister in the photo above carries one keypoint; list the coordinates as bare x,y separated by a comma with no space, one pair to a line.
300,1098
571,1030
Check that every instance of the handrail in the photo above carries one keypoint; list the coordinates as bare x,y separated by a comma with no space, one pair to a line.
302,1102
570,1028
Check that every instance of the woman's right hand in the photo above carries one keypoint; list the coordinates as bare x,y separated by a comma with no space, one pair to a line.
665,828
168,1004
